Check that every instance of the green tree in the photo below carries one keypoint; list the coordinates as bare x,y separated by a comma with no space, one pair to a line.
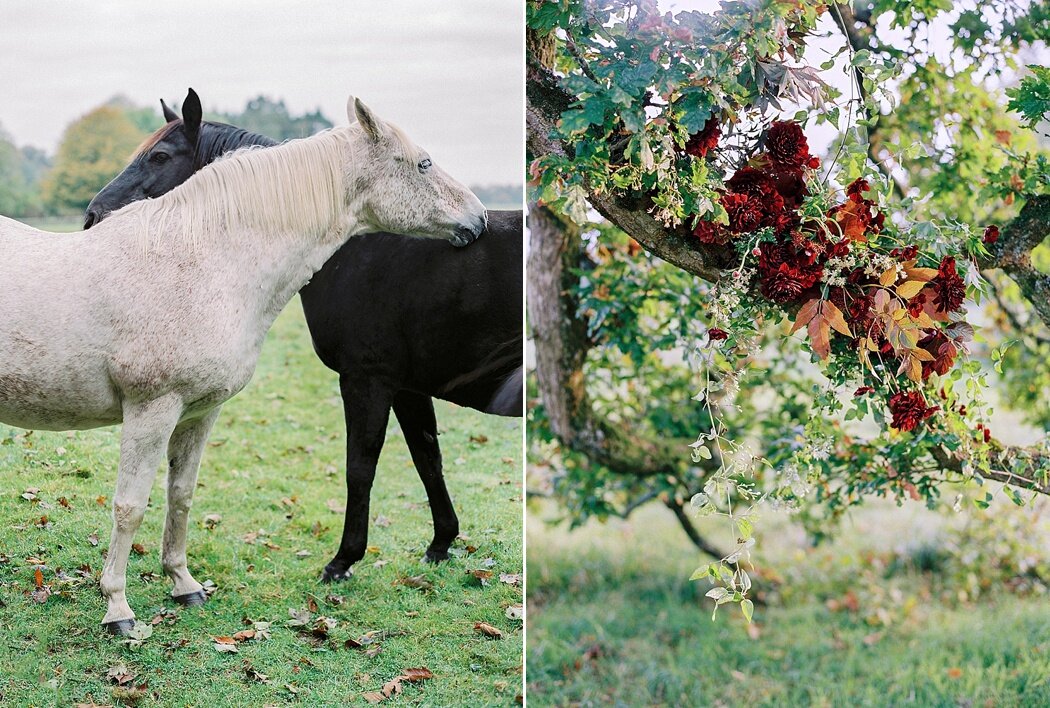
16,194
676,209
93,150
271,118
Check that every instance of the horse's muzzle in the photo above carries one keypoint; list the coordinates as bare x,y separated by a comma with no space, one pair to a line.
466,235
90,219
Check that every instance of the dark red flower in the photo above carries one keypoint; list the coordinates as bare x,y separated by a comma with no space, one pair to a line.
699,144
787,270
991,234
760,187
711,233
856,187
949,290
786,144
908,253
863,391
715,334
909,409
917,304
791,185
745,212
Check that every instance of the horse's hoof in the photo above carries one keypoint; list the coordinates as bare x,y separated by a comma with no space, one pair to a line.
331,575
435,556
192,599
120,628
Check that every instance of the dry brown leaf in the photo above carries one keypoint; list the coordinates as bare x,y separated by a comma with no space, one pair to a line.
488,630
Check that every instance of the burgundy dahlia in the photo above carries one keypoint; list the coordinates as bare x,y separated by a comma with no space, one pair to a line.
711,233
787,270
991,234
786,144
745,213
949,291
699,144
760,186
717,335
909,409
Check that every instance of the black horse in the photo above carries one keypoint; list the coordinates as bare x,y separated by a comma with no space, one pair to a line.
401,320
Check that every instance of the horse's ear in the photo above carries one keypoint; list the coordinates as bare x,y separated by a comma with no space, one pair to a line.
169,115
373,127
191,115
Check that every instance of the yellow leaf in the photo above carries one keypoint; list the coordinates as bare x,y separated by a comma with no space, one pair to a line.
910,289
889,277
915,370
833,316
924,321
923,274
922,355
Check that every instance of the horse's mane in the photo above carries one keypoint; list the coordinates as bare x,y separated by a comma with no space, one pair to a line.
297,187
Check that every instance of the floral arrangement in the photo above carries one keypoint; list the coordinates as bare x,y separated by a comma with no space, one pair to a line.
851,286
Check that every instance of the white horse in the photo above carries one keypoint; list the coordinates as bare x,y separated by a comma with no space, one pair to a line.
156,316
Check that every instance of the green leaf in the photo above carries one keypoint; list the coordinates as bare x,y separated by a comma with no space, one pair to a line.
748,608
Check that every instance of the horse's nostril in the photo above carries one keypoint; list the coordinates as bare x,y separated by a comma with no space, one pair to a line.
90,219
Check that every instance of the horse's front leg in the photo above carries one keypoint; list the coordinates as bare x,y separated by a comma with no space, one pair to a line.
366,403
184,458
415,413
147,428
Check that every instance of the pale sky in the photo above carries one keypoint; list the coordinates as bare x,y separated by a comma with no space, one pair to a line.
450,73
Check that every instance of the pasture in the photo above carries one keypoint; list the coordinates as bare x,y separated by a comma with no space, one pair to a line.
267,516
611,622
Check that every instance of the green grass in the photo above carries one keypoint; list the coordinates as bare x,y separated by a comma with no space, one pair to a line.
274,461
614,620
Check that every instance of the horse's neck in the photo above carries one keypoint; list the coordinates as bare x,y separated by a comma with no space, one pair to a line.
217,140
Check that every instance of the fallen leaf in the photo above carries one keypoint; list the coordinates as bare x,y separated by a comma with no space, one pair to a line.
479,439
382,521
299,618
510,578
515,612
212,520
226,645
488,630
416,581
335,506
253,674
120,675
139,549
373,697
955,672
419,674
244,635
93,538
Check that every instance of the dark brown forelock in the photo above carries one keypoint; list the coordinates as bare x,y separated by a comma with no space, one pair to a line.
163,132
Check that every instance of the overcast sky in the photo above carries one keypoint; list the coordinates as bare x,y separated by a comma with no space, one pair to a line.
450,72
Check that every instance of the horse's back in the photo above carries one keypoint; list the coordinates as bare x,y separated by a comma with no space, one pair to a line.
421,314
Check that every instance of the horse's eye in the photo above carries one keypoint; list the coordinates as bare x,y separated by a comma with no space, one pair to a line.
159,157
424,164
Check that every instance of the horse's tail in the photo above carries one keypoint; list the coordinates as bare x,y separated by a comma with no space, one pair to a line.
510,396
505,357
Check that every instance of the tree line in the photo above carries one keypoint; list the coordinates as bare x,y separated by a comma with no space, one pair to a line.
96,146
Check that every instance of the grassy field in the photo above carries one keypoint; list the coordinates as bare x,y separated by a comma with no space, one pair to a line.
614,621
261,530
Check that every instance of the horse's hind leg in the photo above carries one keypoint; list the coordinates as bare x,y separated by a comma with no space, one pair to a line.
366,404
415,413
184,458
147,428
